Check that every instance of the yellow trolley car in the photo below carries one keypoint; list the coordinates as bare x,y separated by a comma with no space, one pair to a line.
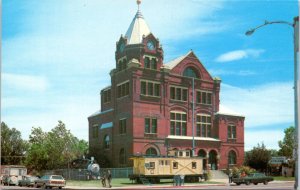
156,168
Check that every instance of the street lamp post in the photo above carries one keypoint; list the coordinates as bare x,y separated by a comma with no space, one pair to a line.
295,26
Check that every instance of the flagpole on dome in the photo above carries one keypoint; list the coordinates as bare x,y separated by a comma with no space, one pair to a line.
138,2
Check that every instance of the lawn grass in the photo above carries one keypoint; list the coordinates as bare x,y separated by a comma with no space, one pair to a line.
116,182
121,182
281,178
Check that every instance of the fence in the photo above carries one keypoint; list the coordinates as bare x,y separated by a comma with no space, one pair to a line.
84,174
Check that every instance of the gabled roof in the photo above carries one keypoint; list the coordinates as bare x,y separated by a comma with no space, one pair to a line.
176,61
137,29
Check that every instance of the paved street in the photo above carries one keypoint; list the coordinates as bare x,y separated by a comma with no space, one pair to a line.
272,185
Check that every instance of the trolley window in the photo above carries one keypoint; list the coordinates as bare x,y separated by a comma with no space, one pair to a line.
175,165
161,162
194,165
152,165
187,153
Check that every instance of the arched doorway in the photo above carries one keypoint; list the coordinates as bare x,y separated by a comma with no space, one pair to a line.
212,160
202,153
231,158
151,152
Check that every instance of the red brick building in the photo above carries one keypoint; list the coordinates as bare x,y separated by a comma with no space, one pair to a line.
148,108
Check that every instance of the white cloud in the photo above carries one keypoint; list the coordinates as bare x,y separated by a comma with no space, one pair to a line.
267,104
25,82
194,18
239,54
270,138
222,72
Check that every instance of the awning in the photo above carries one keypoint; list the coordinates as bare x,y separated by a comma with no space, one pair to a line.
191,138
106,125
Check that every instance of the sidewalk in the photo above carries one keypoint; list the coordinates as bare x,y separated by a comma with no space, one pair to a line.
157,186
153,186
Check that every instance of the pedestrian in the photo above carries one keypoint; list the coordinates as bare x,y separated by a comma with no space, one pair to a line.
176,180
109,178
230,177
181,179
103,180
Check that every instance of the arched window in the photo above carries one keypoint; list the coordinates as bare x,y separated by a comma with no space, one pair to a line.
190,72
151,152
202,153
122,156
232,158
106,141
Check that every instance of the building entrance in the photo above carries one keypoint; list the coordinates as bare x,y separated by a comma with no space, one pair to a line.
212,160
202,154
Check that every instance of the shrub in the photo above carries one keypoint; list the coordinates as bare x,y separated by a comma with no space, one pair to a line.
238,170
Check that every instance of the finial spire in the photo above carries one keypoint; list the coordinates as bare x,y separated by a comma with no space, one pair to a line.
138,2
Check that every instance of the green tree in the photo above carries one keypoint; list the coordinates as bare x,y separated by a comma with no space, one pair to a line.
287,145
258,157
38,154
55,149
13,147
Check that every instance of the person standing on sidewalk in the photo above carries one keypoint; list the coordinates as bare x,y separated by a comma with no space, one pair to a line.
230,177
181,179
109,178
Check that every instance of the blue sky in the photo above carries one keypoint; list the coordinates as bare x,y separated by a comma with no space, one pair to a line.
57,55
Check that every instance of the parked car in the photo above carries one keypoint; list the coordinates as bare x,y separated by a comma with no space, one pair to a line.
50,181
10,180
254,178
27,181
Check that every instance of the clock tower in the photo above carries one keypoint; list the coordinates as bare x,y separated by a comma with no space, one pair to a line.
140,44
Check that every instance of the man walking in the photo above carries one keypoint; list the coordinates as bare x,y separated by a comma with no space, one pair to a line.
109,178
103,178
